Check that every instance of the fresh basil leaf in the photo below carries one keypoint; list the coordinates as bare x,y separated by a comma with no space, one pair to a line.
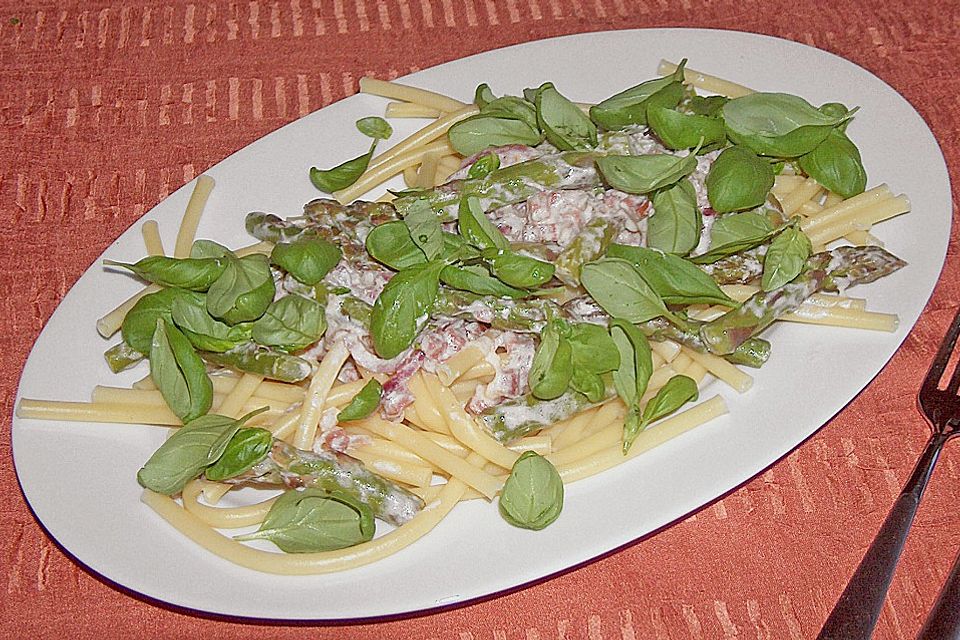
483,95
678,130
643,174
711,106
621,291
479,132
674,279
636,361
425,229
247,447
179,373
835,163
629,107
484,166
675,225
290,323
785,258
362,404
589,384
517,270
208,249
203,330
550,370
512,108
532,496
244,290
678,391
374,127
748,226
308,259
778,124
564,124
834,110
191,448
141,321
310,520
593,351
476,279
738,179
343,175
401,309
195,274
476,228
390,244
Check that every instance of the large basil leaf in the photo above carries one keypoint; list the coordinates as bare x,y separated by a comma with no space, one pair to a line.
192,448
621,291
643,174
676,224
629,107
476,279
518,270
678,130
308,259
532,496
674,279
565,125
244,290
550,370
195,274
315,520
476,228
208,249
778,124
203,330
179,373
390,244
362,404
785,258
737,227
424,227
592,348
141,321
402,307
835,163
249,446
738,179
290,324
479,132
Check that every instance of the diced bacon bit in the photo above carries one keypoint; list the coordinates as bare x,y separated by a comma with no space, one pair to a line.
396,395
509,154
510,379
332,437
708,212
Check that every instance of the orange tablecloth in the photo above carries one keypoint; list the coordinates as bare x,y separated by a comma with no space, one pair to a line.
106,106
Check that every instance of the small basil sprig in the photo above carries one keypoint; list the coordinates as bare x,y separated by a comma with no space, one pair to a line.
290,323
778,124
835,163
141,321
643,174
483,95
678,391
674,279
345,174
424,227
621,291
564,124
179,373
738,179
629,107
402,307
516,270
592,353
632,375
203,330
195,274
785,258
362,404
191,449
310,520
532,496
676,224
550,370
678,130
247,447
475,227
476,279
307,259
244,290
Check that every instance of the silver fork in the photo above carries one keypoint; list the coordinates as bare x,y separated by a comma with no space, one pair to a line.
856,612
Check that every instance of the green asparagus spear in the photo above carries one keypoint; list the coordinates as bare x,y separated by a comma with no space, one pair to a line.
739,268
254,358
754,352
511,184
826,271
122,356
507,314
286,465
590,244
517,417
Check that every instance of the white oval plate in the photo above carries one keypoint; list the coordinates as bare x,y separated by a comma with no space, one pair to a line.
80,478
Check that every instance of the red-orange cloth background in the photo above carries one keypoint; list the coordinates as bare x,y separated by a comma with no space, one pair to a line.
107,106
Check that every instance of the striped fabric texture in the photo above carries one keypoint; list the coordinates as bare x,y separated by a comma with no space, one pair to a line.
107,106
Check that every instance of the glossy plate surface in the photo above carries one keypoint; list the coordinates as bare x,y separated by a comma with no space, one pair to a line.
80,478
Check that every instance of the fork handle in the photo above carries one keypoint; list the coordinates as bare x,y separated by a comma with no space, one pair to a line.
856,612
943,623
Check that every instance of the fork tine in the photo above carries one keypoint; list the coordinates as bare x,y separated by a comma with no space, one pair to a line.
939,363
